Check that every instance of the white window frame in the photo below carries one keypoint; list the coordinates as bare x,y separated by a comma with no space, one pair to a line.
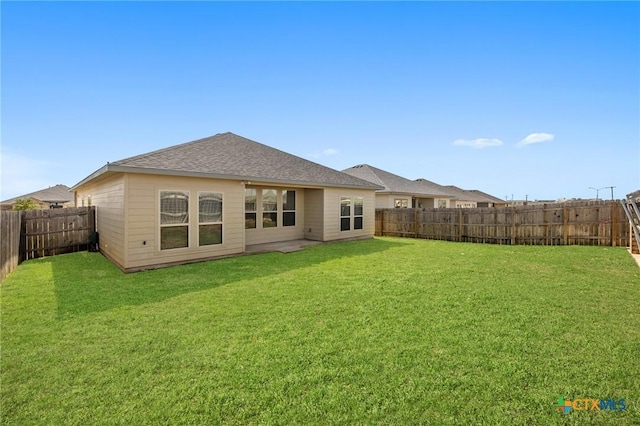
169,225
361,215
221,222
294,211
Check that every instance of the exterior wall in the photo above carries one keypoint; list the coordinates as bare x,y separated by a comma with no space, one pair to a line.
332,214
313,214
430,203
260,235
387,201
108,195
143,219
465,204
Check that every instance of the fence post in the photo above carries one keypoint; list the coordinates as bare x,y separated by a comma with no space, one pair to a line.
460,224
614,224
565,224
514,218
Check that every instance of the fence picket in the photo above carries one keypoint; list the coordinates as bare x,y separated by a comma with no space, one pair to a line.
581,223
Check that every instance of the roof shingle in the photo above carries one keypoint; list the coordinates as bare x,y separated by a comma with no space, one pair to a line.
393,183
230,156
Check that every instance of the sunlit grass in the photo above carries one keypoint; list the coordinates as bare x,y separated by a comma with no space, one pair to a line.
385,331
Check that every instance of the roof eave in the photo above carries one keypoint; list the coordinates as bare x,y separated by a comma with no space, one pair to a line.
186,173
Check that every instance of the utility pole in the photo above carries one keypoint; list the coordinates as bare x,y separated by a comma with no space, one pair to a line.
611,187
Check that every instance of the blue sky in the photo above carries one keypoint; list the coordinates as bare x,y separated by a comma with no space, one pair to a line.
515,99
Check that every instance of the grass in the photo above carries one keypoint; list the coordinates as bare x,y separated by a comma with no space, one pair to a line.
384,331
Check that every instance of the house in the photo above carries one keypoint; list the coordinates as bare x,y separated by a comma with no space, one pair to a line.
215,196
54,197
399,192
465,198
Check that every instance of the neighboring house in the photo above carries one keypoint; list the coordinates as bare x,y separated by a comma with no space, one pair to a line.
465,198
215,196
471,198
487,200
54,197
399,192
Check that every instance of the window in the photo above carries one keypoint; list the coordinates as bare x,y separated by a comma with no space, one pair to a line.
442,204
288,208
401,203
209,218
250,208
358,212
269,208
174,219
345,213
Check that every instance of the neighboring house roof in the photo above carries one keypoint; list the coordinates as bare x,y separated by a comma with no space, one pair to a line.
229,156
53,194
484,197
392,183
432,186
471,195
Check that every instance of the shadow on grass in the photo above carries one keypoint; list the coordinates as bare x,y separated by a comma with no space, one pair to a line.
88,282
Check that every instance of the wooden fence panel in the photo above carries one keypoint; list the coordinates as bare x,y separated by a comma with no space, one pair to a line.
576,223
57,231
10,226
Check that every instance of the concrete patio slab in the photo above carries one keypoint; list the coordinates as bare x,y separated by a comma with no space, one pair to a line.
281,247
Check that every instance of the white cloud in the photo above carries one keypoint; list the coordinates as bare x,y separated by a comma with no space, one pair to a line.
536,138
328,152
478,143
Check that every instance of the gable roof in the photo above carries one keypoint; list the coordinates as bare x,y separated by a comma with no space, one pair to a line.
229,156
54,194
392,183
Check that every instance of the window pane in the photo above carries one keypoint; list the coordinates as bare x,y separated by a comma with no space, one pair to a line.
345,206
269,200
174,207
210,234
357,206
250,200
289,219
288,200
345,224
174,237
357,222
249,220
269,220
210,207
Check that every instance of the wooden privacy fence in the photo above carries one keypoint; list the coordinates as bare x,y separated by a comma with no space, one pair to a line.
9,241
57,231
576,223
39,233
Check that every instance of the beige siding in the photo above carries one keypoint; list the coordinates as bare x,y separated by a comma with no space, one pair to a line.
108,196
388,201
332,214
261,235
384,201
314,214
143,219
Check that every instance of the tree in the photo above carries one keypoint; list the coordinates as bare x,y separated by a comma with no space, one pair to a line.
25,204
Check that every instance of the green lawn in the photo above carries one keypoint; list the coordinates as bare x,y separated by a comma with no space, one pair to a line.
385,331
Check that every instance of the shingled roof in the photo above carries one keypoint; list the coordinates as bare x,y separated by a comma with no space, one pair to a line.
229,156
392,183
471,195
54,194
